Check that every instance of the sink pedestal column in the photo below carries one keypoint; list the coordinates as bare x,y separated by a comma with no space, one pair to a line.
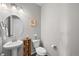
14,52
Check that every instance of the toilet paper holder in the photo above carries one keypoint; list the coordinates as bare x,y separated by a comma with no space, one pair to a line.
54,46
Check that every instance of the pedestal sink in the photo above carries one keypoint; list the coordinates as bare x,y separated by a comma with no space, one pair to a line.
13,46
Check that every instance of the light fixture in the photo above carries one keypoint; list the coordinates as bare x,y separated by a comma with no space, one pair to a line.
4,6
13,8
33,22
20,10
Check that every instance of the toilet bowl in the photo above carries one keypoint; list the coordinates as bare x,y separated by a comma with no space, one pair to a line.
39,50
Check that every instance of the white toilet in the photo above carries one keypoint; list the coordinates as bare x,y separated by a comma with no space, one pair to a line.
40,50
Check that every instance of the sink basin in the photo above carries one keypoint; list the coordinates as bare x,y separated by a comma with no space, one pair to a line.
13,46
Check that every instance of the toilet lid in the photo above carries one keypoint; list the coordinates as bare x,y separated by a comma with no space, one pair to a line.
41,51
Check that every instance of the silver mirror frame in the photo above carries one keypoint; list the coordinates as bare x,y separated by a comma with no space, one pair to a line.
20,20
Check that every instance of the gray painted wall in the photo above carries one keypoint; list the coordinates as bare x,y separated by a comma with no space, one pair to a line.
73,28
60,26
50,27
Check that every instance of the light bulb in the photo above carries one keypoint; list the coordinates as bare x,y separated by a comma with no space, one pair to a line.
13,8
4,6
21,11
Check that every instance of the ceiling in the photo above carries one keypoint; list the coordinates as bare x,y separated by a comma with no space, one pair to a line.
40,4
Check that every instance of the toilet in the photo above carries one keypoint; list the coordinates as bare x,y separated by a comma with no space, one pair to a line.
39,50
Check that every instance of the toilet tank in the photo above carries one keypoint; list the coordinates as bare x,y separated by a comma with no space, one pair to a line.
36,43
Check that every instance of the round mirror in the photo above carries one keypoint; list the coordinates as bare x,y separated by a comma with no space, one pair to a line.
14,25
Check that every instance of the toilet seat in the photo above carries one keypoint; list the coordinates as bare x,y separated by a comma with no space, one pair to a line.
41,51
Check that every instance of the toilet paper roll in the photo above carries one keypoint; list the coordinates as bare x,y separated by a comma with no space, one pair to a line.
53,46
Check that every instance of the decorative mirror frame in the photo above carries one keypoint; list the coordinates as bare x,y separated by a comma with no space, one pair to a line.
20,20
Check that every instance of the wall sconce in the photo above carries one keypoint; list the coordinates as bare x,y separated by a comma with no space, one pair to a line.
34,22
4,6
